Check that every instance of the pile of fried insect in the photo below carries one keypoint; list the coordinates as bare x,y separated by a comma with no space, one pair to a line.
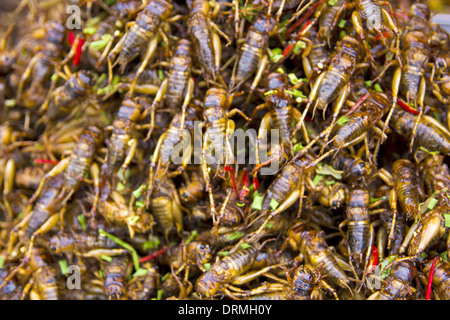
341,192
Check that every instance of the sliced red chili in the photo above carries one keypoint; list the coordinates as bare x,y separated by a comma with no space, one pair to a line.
430,278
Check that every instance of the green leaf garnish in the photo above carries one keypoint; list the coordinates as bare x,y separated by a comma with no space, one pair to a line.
106,258
342,120
274,204
82,219
63,266
245,246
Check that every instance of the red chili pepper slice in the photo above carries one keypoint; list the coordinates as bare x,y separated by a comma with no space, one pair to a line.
406,107
304,17
430,279
78,51
45,161
233,180
373,260
255,183
288,49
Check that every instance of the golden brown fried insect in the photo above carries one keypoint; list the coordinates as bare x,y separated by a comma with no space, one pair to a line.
315,252
40,68
115,278
397,286
63,242
252,55
45,281
66,100
435,173
332,84
140,32
360,232
407,188
440,279
12,290
144,287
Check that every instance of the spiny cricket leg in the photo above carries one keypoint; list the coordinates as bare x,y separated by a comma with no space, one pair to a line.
420,100
262,67
158,98
393,205
148,55
153,165
95,174
263,127
25,76
357,23
132,145
187,99
9,174
59,168
395,88
207,178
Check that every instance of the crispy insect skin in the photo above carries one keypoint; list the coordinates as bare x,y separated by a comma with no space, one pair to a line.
142,30
435,173
46,205
80,242
427,135
313,248
179,73
225,271
358,221
441,278
41,66
397,286
115,275
407,187
202,36
254,47
145,286
370,112
66,98
44,275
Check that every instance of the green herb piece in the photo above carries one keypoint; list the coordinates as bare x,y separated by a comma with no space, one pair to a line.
90,30
164,277
368,83
82,220
235,235
207,266
2,262
330,182
432,203
224,253
120,187
100,44
293,78
377,87
299,45
385,272
342,34
268,92
332,3
257,202
317,179
159,294
423,255
161,75
342,120
295,93
140,204
245,246
151,244
269,225
122,244
298,147
63,266
277,55
140,272
342,23
447,220
274,204
134,220
106,258
192,236
428,151
138,192
101,274
280,70
444,255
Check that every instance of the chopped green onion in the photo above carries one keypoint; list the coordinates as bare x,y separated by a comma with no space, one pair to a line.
280,70
192,236
140,204
134,220
159,294
330,182
342,120
269,225
224,253
235,235
299,45
385,272
274,204
101,274
293,78
164,277
138,192
245,246
342,34
120,187
151,244
295,93
277,55
447,220
257,202
82,219
377,87
317,179
342,23
239,204
298,147
123,244
100,44
207,266
368,83
63,266
432,203
161,75
428,151
90,30
140,272
106,258
2,262
332,2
